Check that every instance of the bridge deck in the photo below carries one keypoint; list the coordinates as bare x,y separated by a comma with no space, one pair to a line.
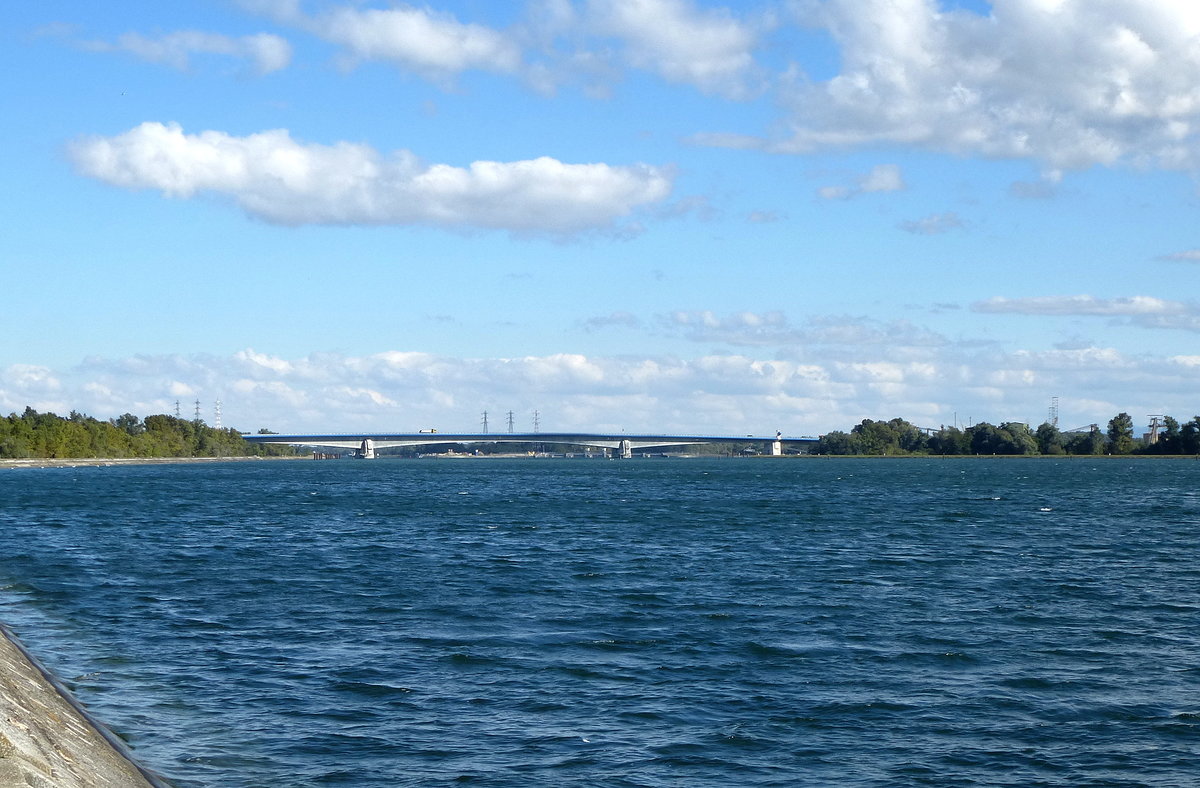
601,440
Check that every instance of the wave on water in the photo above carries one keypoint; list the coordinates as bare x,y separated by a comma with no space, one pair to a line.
639,623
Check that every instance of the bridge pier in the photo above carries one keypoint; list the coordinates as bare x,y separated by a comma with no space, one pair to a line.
366,451
626,450
777,445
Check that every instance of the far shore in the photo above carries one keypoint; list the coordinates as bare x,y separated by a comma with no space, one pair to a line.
105,462
102,462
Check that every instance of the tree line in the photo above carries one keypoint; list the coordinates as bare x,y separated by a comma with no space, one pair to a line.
899,437
33,435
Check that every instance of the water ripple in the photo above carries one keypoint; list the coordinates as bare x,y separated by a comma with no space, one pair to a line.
657,623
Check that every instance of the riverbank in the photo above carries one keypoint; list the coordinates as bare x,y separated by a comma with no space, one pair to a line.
47,739
83,462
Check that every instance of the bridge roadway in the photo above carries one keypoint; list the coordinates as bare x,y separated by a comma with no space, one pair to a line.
365,444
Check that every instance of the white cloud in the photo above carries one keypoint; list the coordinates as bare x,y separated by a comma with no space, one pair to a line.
370,396
280,180
256,364
733,393
772,329
881,178
709,49
30,376
1070,83
1177,322
431,43
266,52
934,224
618,319
1142,311
1082,305
427,42
1186,256
558,42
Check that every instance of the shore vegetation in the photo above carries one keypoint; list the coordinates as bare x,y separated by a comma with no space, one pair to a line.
34,435
898,437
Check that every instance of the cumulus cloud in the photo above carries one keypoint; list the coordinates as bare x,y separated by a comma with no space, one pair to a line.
283,181
30,376
265,52
559,41
734,393
424,41
709,49
1068,83
882,178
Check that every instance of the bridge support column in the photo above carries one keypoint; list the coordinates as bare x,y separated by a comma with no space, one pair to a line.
776,448
626,450
366,451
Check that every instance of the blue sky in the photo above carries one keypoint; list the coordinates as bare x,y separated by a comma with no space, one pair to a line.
625,214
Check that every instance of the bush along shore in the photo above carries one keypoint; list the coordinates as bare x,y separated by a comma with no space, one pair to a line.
898,437
33,435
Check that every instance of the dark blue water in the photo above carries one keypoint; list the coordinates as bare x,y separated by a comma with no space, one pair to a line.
974,622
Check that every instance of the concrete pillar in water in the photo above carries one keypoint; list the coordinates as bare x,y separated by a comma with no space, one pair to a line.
626,450
777,445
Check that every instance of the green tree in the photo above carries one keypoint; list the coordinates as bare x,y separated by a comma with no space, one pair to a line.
985,439
34,434
836,442
1120,434
1091,442
950,440
909,437
1168,439
129,424
871,437
1049,439
875,437
1189,437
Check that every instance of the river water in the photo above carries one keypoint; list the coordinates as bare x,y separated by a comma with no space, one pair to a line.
648,622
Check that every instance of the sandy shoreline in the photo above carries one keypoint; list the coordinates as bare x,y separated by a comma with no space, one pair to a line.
83,462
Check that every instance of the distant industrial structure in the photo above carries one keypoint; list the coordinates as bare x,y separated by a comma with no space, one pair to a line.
1150,438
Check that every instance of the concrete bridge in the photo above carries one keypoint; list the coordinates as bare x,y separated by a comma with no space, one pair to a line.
364,445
